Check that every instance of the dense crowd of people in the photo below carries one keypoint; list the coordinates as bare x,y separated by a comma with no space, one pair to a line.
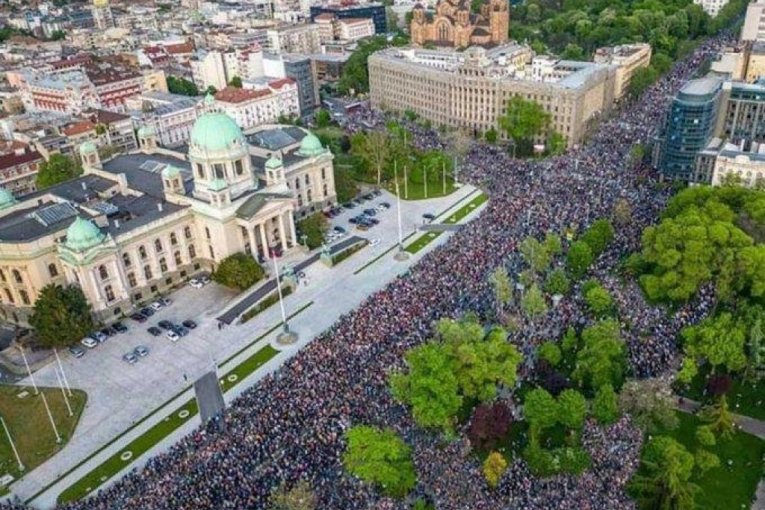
290,426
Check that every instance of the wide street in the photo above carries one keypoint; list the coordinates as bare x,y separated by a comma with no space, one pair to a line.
119,394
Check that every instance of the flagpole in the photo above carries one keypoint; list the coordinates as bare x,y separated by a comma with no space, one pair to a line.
63,392
286,336
29,370
63,374
13,445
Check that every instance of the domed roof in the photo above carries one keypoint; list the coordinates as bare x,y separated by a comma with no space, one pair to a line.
88,147
171,171
310,145
6,198
216,132
83,234
145,131
273,162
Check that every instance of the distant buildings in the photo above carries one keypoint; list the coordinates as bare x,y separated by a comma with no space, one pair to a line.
350,9
19,164
754,22
331,28
171,116
294,38
471,89
627,58
102,15
711,7
299,68
454,25
254,107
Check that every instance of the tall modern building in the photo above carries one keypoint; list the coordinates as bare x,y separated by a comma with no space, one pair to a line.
344,10
102,15
690,124
754,23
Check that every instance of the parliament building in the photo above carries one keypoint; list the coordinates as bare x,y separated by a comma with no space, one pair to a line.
455,26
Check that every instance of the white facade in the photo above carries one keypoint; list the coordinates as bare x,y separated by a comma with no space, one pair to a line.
754,23
295,39
355,28
746,167
253,107
711,7
209,70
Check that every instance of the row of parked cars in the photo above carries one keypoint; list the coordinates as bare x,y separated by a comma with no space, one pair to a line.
97,337
144,313
172,331
366,219
352,204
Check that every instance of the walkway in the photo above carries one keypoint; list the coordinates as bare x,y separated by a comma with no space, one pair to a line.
267,288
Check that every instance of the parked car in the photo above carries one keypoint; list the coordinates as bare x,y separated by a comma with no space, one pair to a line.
362,226
98,337
373,221
374,242
368,196
154,331
180,330
88,342
429,217
339,230
165,301
377,192
130,358
349,205
77,351
172,335
370,212
156,306
109,331
204,279
147,312
196,283
189,324
138,317
385,205
166,325
119,327
141,351
354,220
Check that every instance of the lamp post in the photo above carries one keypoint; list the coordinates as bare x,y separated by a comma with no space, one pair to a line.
401,255
63,374
29,370
286,337
63,392
13,445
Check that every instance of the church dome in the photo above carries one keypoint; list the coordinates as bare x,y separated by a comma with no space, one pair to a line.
6,198
88,147
273,162
83,234
310,146
146,131
215,132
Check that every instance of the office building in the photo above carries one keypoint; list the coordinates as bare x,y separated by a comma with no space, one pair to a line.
350,9
262,105
754,22
627,58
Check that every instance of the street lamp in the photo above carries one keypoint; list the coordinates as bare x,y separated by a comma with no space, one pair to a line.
286,337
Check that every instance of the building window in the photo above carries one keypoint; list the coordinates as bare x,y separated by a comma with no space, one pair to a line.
109,293
138,296
308,196
147,271
238,167
142,252
158,245
17,276
9,296
323,173
52,270
2,275
307,180
173,239
162,265
192,251
153,288
212,253
126,259
218,169
103,273
177,256
131,280
297,183
200,171
168,281
24,297
207,232
187,232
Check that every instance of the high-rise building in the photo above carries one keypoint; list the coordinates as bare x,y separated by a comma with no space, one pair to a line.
102,15
754,23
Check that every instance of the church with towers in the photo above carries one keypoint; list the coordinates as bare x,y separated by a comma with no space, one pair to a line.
137,224
453,25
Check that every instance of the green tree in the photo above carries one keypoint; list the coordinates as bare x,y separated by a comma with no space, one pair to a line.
598,236
61,316
605,405
550,353
705,435
556,143
535,254
719,340
380,457
533,302
541,410
719,417
322,118
651,404
601,358
553,244
374,148
622,213
211,91
599,301
429,386
181,86
706,460
572,408
557,282
238,271
355,74
578,259
491,135
299,497
641,79
688,370
503,291
523,120
313,228
663,480
235,82
494,467
58,168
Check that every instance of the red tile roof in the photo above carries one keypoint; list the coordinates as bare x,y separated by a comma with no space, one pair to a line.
277,84
180,48
78,128
235,95
12,159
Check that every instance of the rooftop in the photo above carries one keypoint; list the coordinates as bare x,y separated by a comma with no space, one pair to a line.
144,171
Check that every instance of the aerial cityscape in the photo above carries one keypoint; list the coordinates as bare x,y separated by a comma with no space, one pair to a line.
382,255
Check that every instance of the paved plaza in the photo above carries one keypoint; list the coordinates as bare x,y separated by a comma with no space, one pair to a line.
120,395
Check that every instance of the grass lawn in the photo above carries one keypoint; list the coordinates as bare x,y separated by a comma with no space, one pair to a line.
745,398
728,486
466,209
416,191
30,427
160,431
421,242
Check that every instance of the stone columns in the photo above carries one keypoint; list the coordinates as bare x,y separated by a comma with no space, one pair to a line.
264,240
253,244
293,235
282,235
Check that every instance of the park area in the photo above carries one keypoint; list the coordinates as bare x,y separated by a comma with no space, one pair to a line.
28,423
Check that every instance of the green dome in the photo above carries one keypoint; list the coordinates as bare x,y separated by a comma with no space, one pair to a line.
171,171
83,234
310,146
273,162
88,147
6,198
216,132
146,131
217,185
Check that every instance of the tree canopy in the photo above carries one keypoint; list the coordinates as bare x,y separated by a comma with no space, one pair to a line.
181,86
238,271
719,340
58,168
601,359
61,316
